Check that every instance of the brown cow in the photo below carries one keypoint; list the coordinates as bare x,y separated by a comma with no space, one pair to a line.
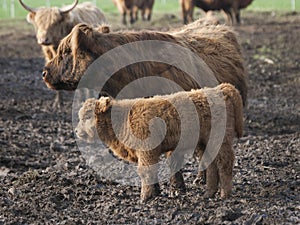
95,120
217,46
230,7
132,7
53,24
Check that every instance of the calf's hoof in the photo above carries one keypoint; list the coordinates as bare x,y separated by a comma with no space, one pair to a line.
201,178
210,193
177,182
149,191
225,193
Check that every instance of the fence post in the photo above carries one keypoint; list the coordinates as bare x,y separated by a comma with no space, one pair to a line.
12,8
4,5
293,5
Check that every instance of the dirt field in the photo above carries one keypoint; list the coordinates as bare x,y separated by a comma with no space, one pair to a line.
45,180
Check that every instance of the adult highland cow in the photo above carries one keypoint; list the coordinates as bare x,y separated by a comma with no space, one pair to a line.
53,24
217,46
230,7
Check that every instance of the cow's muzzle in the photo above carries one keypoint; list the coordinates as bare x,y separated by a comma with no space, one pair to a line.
45,72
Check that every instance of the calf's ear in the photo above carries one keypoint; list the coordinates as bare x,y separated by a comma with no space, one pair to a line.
102,105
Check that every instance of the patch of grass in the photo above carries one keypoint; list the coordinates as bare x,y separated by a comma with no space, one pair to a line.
274,5
160,6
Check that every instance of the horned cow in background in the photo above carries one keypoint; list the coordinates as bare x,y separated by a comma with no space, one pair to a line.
52,24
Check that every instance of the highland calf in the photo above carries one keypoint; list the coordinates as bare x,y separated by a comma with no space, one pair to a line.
216,47
230,7
96,121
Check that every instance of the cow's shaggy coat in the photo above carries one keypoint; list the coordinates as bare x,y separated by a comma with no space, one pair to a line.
216,45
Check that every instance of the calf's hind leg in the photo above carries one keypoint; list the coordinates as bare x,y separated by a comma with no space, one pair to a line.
212,180
148,170
175,161
225,167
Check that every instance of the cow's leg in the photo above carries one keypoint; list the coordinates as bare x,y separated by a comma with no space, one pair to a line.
144,13
238,17
201,176
148,170
148,13
225,167
58,101
131,13
190,17
212,180
124,18
135,12
183,12
175,161
228,16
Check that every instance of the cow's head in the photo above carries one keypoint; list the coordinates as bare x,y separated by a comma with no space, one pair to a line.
51,24
74,54
86,127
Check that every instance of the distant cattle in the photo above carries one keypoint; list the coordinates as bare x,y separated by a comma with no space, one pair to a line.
53,24
230,7
132,7
217,46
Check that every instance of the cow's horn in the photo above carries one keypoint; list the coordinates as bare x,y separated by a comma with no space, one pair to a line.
69,9
27,7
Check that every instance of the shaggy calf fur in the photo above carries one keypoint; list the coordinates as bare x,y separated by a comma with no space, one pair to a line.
95,118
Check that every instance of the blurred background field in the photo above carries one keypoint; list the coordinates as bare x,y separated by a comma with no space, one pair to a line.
12,8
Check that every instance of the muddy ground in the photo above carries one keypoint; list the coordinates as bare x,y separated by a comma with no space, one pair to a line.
45,179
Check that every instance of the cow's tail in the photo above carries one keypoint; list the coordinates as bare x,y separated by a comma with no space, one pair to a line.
231,92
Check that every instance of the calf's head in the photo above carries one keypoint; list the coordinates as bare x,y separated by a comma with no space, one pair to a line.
86,128
74,54
51,23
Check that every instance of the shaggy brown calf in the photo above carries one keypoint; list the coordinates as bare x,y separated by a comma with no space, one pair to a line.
132,7
96,121
217,46
230,7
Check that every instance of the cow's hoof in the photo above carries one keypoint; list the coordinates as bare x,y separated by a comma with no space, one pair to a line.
149,191
210,193
174,192
225,194
177,181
